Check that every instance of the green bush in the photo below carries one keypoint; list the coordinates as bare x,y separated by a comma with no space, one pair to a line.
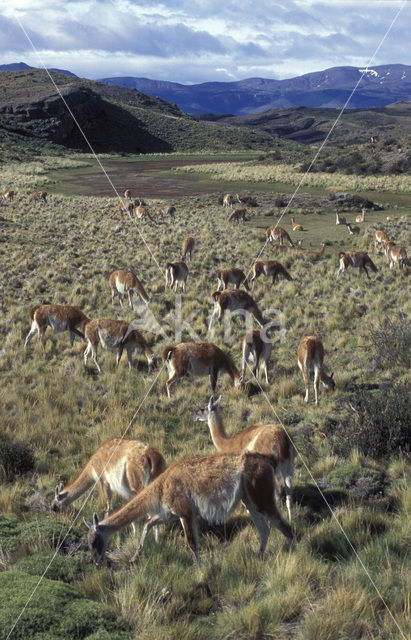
391,344
16,458
378,425
56,610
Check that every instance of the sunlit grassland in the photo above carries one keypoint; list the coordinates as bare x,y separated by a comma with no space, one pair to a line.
252,172
60,253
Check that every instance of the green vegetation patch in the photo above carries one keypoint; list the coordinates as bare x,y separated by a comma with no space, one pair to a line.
55,610
59,567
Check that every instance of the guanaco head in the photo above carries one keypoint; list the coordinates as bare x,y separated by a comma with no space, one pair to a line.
97,540
153,363
58,503
216,295
202,414
328,381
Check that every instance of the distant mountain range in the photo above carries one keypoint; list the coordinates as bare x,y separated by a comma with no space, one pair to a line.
22,66
380,86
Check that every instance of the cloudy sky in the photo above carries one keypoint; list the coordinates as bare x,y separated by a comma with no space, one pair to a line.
201,40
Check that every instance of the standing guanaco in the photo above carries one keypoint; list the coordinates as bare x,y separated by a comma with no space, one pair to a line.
310,359
356,259
126,282
176,272
232,275
257,347
188,246
268,439
278,233
60,317
270,268
235,300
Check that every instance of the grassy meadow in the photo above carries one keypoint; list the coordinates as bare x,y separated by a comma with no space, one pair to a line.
56,412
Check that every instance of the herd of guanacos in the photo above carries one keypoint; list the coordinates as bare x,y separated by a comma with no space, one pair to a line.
247,462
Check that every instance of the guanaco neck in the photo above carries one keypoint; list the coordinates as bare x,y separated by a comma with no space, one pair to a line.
80,484
217,431
135,509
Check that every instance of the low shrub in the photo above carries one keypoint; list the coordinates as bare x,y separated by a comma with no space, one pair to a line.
16,458
378,425
391,344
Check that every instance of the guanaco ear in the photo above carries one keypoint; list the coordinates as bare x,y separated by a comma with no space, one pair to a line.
57,491
211,402
217,402
332,376
95,520
87,523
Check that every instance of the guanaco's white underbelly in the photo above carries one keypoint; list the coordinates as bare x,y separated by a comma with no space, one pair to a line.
57,324
120,286
219,506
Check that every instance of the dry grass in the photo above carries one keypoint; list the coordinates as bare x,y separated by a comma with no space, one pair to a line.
60,253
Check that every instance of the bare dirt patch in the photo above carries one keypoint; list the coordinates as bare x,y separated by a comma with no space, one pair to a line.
149,179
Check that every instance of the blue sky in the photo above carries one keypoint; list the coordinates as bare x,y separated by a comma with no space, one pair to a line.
198,41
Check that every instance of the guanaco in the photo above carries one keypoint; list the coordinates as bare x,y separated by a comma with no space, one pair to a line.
269,268
198,359
208,486
142,214
188,246
278,233
310,359
353,230
126,282
237,215
127,194
234,276
361,216
356,259
228,200
296,225
8,195
176,272
396,254
115,334
267,439
60,317
340,219
317,255
380,238
257,347
38,196
120,465
235,300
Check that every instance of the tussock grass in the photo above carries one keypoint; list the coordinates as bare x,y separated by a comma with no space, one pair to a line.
64,411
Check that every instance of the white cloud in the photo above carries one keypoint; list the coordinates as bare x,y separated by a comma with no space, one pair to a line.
189,41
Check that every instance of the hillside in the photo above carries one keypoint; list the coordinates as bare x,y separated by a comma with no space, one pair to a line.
114,119
380,86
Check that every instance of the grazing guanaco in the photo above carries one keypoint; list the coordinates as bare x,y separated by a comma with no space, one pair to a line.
255,346
8,195
269,268
380,238
361,216
60,317
120,465
209,487
278,233
165,210
142,214
296,225
237,215
228,200
340,219
115,334
198,359
126,282
353,231
38,196
356,259
396,254
267,439
310,359
235,300
124,207
188,246
284,248
176,272
234,276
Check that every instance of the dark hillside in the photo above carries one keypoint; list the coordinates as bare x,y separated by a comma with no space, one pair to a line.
113,119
